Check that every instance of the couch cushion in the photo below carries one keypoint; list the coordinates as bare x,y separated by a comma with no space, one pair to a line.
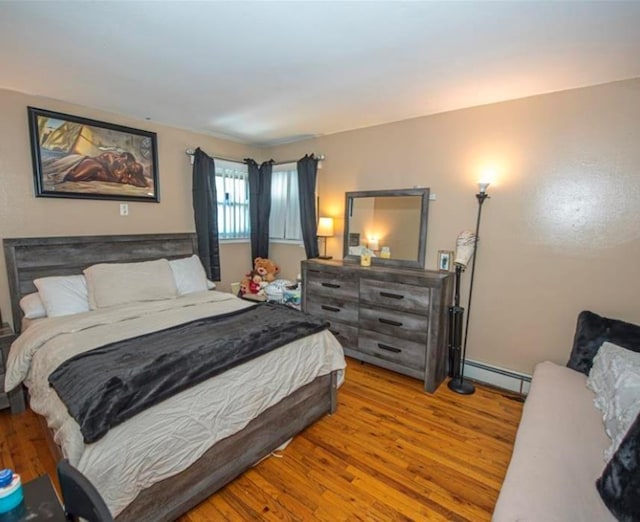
557,455
591,331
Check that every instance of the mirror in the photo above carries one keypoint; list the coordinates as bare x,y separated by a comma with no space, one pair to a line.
391,223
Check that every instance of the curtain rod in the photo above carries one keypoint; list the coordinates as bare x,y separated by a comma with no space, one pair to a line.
191,152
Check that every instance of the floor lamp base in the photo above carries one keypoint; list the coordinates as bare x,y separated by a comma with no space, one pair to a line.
461,386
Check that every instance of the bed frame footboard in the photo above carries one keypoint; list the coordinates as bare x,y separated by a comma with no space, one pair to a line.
229,458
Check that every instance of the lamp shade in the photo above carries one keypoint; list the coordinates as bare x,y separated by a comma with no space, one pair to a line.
483,186
325,227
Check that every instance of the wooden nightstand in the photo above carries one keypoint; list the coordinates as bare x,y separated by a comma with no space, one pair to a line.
15,398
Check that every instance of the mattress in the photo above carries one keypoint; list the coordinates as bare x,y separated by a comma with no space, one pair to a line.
168,437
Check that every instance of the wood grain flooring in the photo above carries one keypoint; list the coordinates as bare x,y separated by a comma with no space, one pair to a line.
391,452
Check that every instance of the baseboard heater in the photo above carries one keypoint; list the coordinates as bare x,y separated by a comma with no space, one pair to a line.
496,376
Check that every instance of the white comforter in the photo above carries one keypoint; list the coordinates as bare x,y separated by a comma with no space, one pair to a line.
167,438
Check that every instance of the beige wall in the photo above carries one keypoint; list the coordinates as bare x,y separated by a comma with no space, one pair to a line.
559,234
362,219
22,214
561,231
288,258
398,225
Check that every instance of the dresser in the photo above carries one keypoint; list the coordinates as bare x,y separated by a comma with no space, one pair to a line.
15,398
396,318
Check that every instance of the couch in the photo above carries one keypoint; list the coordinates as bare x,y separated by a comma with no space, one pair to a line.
557,471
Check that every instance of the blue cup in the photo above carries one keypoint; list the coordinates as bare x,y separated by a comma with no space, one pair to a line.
10,490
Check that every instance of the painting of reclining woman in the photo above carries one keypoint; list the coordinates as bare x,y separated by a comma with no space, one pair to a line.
80,158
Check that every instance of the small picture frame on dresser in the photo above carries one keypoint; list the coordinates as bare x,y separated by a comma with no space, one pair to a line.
354,239
445,260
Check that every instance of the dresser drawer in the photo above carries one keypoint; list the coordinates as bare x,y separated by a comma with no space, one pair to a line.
346,335
331,283
384,315
389,348
398,296
397,324
332,309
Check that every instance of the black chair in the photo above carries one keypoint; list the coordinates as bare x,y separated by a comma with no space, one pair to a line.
80,497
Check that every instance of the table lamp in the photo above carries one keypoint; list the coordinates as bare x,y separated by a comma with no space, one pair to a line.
325,230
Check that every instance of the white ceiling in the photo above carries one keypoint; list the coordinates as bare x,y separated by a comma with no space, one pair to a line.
272,72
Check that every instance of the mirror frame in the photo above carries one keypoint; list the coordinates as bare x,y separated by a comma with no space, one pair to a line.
422,237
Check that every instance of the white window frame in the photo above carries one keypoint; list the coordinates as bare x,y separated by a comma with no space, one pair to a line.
233,225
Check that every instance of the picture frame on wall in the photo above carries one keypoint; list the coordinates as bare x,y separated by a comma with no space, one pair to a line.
75,157
445,260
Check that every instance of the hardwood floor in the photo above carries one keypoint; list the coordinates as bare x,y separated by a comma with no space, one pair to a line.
391,452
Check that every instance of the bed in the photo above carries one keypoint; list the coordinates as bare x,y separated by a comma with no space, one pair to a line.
171,484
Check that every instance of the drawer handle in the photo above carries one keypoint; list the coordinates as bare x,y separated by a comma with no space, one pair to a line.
330,308
391,296
389,348
330,285
389,321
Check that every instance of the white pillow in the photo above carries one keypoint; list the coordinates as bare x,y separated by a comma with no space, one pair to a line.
63,295
111,284
32,306
189,275
615,379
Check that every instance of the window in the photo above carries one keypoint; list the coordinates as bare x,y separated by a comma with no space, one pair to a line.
232,187
284,222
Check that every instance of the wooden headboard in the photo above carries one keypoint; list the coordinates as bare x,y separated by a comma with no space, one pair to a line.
33,257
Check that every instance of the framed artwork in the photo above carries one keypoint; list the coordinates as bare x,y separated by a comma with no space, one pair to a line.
354,239
75,157
445,260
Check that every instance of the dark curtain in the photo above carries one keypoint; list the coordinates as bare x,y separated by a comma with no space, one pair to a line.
259,206
205,212
307,170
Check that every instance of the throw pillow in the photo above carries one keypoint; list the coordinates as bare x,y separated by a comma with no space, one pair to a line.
112,284
619,484
615,380
591,331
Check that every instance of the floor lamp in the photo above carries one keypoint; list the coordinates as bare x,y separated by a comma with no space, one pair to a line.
467,247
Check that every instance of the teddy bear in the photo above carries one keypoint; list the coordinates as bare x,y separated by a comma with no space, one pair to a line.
244,286
252,285
255,283
266,268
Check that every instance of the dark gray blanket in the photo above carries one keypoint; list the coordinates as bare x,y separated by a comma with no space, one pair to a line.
108,385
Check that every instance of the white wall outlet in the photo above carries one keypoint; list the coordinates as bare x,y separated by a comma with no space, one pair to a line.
124,209
432,196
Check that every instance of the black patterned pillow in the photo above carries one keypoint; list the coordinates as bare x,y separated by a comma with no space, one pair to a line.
619,484
591,331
